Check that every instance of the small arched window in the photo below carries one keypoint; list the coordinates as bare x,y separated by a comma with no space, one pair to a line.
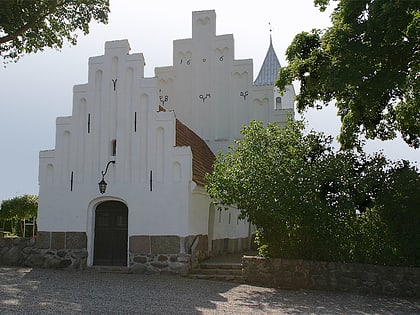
278,103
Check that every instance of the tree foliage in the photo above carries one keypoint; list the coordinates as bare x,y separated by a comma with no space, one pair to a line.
368,62
310,201
28,26
402,192
19,208
14,211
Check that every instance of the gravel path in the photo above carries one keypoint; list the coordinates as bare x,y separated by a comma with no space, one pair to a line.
41,291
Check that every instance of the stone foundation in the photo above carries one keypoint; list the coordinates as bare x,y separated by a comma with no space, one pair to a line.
318,275
44,252
147,254
166,253
228,246
160,264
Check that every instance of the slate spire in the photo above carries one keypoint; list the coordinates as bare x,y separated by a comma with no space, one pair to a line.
270,68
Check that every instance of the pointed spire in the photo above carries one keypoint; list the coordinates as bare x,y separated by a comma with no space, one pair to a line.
270,68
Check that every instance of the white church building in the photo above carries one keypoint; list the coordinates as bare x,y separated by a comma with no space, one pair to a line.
152,140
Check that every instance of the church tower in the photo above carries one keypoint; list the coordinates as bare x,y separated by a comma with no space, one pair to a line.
212,92
125,183
267,77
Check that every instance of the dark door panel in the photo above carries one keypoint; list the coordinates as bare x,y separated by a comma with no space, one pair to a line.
111,234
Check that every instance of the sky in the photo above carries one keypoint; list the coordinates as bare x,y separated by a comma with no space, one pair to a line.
38,88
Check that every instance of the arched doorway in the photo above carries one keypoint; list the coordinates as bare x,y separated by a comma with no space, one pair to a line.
111,234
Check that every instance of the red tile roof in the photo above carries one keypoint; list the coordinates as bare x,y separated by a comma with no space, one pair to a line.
203,157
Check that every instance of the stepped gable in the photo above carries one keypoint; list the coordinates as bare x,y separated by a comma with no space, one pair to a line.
203,157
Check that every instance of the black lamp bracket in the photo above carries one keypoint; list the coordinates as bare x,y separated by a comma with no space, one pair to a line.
106,168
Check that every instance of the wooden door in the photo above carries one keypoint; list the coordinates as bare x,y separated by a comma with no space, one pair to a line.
111,234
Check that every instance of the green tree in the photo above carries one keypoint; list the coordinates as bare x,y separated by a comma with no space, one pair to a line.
18,209
398,205
388,231
368,62
312,202
286,183
28,26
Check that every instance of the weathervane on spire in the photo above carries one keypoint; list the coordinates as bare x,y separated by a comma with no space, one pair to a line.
270,29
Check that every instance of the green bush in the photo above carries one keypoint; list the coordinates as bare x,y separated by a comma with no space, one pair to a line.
311,202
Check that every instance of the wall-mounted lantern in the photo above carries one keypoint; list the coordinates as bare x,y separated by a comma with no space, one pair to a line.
102,184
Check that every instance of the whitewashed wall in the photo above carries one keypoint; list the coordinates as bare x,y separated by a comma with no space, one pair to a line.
145,138
211,91
207,89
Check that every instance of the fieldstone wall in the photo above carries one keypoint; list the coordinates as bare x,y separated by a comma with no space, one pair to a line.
317,275
147,254
48,250
166,253
160,264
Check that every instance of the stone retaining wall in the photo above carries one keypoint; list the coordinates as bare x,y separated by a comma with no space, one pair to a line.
317,275
160,264
147,254
27,252
166,253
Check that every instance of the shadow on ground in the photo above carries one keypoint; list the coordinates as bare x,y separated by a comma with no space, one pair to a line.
41,291
321,302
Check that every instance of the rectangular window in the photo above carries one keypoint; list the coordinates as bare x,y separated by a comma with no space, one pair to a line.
151,180
71,181
114,147
88,123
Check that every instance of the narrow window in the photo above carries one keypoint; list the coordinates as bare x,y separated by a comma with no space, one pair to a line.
71,181
229,217
114,147
88,123
151,181
135,121
220,216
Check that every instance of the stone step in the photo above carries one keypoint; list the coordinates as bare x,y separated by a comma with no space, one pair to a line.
221,268
221,271
234,266
106,269
231,278
218,271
